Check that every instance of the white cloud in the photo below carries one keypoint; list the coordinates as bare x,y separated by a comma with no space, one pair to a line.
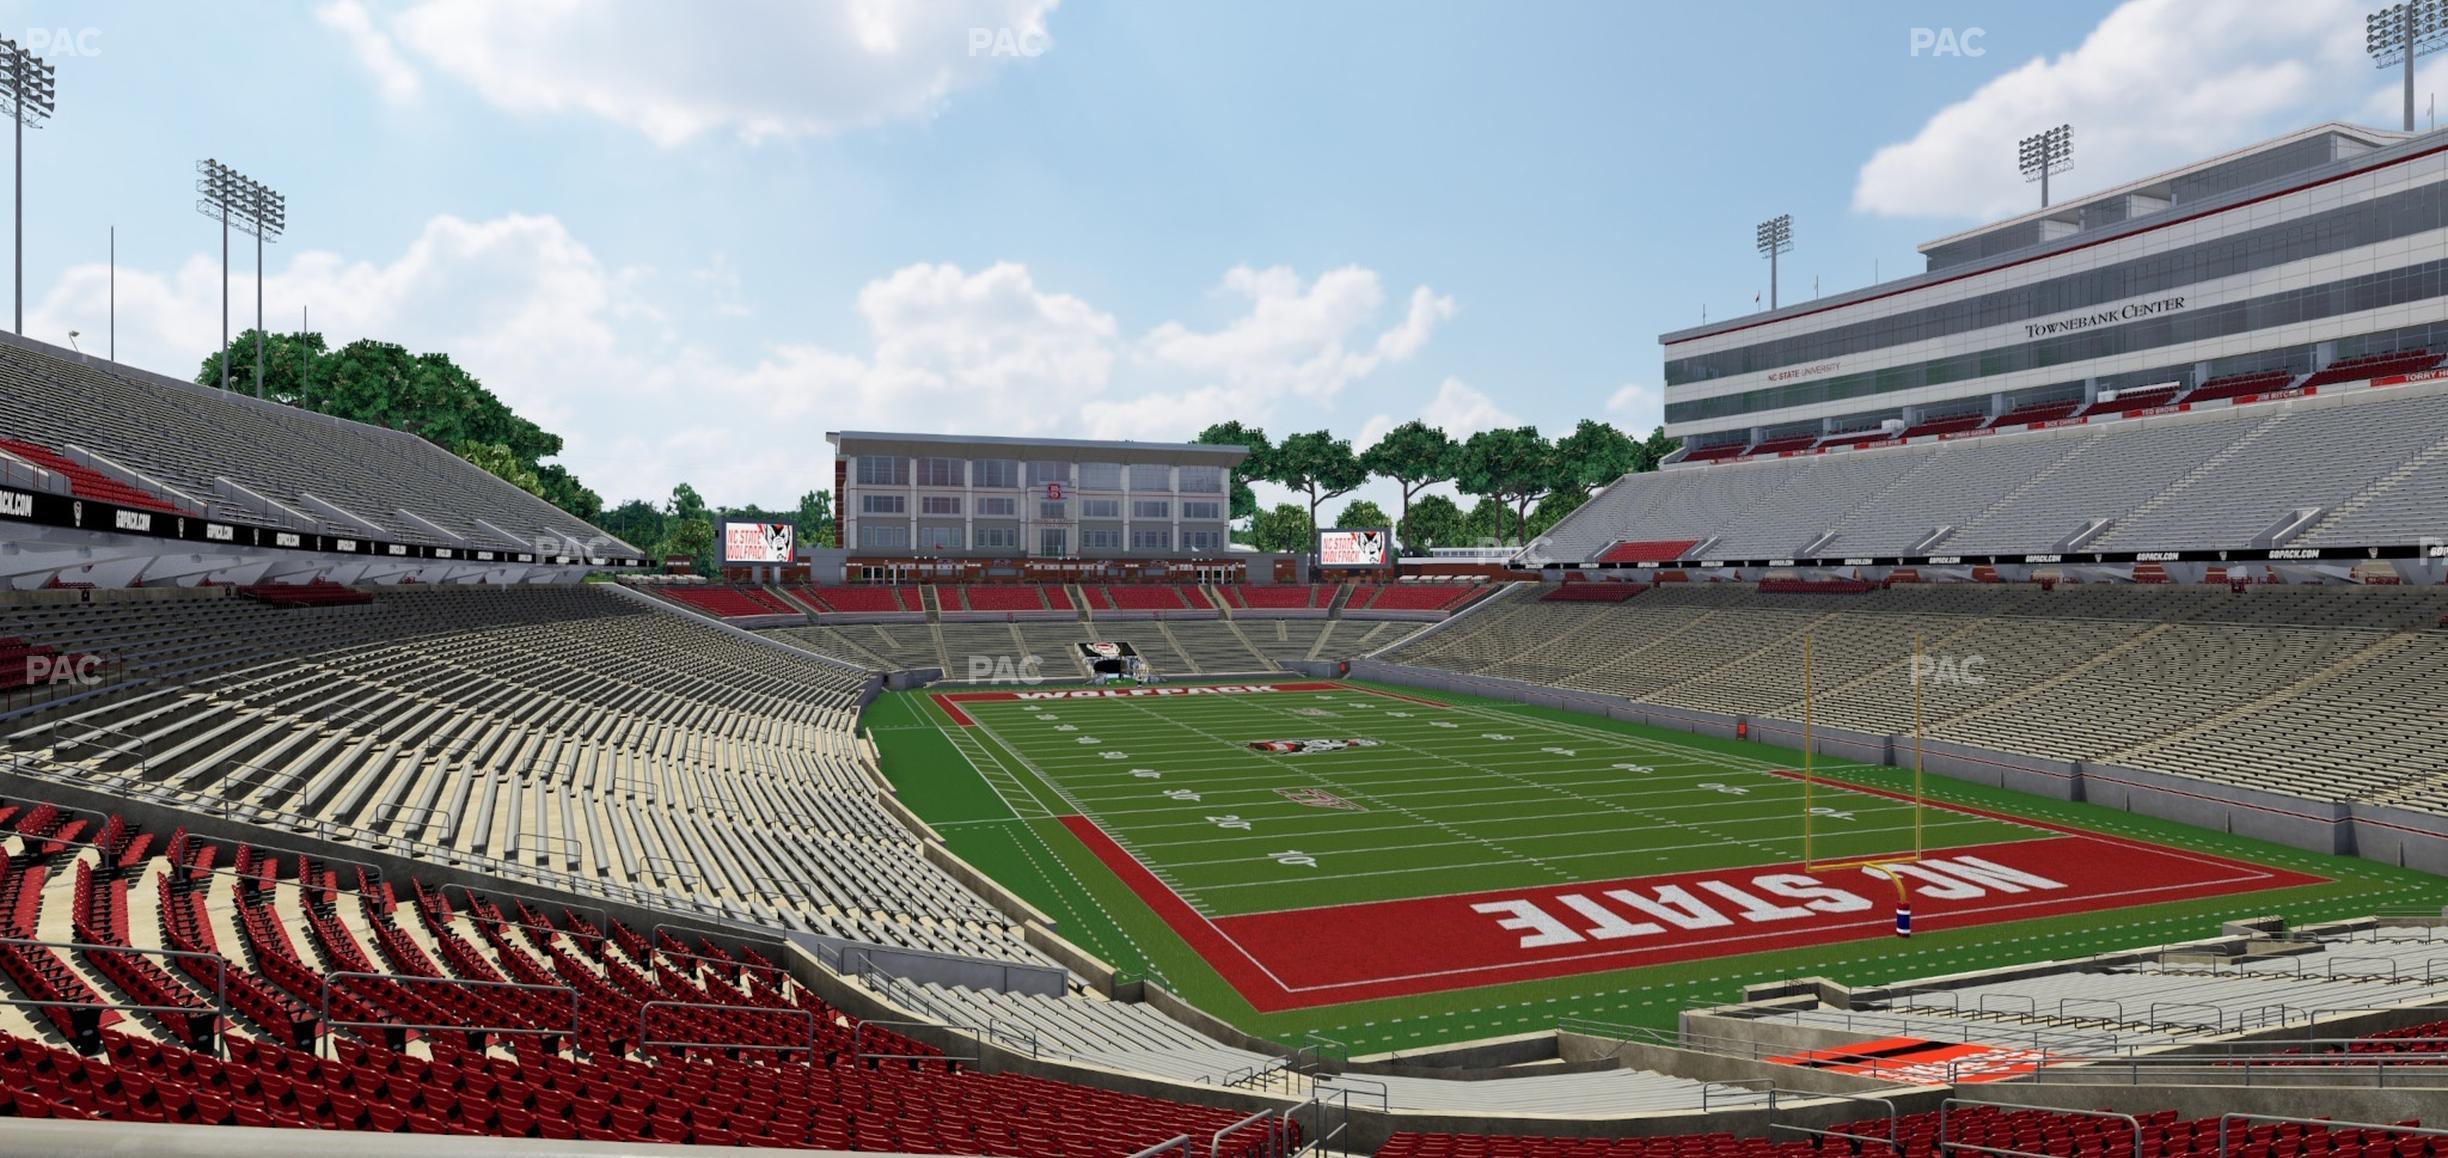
758,69
394,77
1637,409
602,354
2157,83
1463,411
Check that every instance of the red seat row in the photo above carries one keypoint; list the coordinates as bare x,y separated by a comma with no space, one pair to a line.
87,483
729,602
860,599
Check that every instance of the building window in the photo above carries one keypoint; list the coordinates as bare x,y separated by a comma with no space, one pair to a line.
1202,541
1148,476
1161,540
938,504
939,472
1202,480
1051,512
876,470
1003,538
1100,540
883,504
1053,541
1202,510
1041,473
1002,505
893,536
939,538
1151,509
1100,509
1100,476
994,474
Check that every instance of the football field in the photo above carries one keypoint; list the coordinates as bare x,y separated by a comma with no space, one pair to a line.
1320,843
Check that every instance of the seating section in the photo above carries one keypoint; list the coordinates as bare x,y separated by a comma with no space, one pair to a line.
1951,424
286,467
2039,412
1281,597
728,602
2371,465
1592,592
1005,598
2238,385
2374,366
87,483
1147,597
1646,550
1974,1128
2194,681
317,593
567,736
1410,596
735,1050
860,600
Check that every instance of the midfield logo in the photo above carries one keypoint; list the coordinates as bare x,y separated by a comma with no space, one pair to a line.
1318,798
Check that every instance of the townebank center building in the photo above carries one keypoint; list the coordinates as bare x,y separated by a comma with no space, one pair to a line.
2276,259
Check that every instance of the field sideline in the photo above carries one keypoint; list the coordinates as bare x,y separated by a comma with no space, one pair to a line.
1390,868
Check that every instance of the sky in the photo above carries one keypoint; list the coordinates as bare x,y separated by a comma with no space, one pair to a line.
692,238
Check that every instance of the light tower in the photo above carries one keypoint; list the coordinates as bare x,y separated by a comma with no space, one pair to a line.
1775,237
2401,32
2045,152
233,198
29,93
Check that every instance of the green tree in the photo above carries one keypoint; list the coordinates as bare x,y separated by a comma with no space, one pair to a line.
1416,456
1553,507
1508,463
1592,456
1653,450
497,460
1485,525
686,503
695,539
1319,465
1286,528
1434,521
638,522
816,519
1259,464
381,383
1363,513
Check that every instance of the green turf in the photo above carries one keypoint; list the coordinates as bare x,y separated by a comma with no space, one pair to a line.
1479,795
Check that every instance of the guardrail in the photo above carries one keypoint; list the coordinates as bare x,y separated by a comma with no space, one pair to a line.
1773,1125
220,1011
1273,1136
813,1033
2227,1136
1946,1107
858,1037
324,1006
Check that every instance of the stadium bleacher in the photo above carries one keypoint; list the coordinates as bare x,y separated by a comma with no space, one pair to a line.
231,457
726,602
2366,464
2194,681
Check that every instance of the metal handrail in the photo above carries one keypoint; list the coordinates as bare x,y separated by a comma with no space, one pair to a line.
221,1007
858,1033
2225,1135
1805,1095
1707,1088
813,1038
324,1006
490,894
2218,1016
1269,1146
1177,1144
1947,1106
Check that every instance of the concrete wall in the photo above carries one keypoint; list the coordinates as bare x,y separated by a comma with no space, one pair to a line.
2319,826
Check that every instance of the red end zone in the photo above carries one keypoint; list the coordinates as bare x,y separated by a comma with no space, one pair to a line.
1322,956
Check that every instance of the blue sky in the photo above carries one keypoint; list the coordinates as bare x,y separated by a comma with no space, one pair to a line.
694,237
